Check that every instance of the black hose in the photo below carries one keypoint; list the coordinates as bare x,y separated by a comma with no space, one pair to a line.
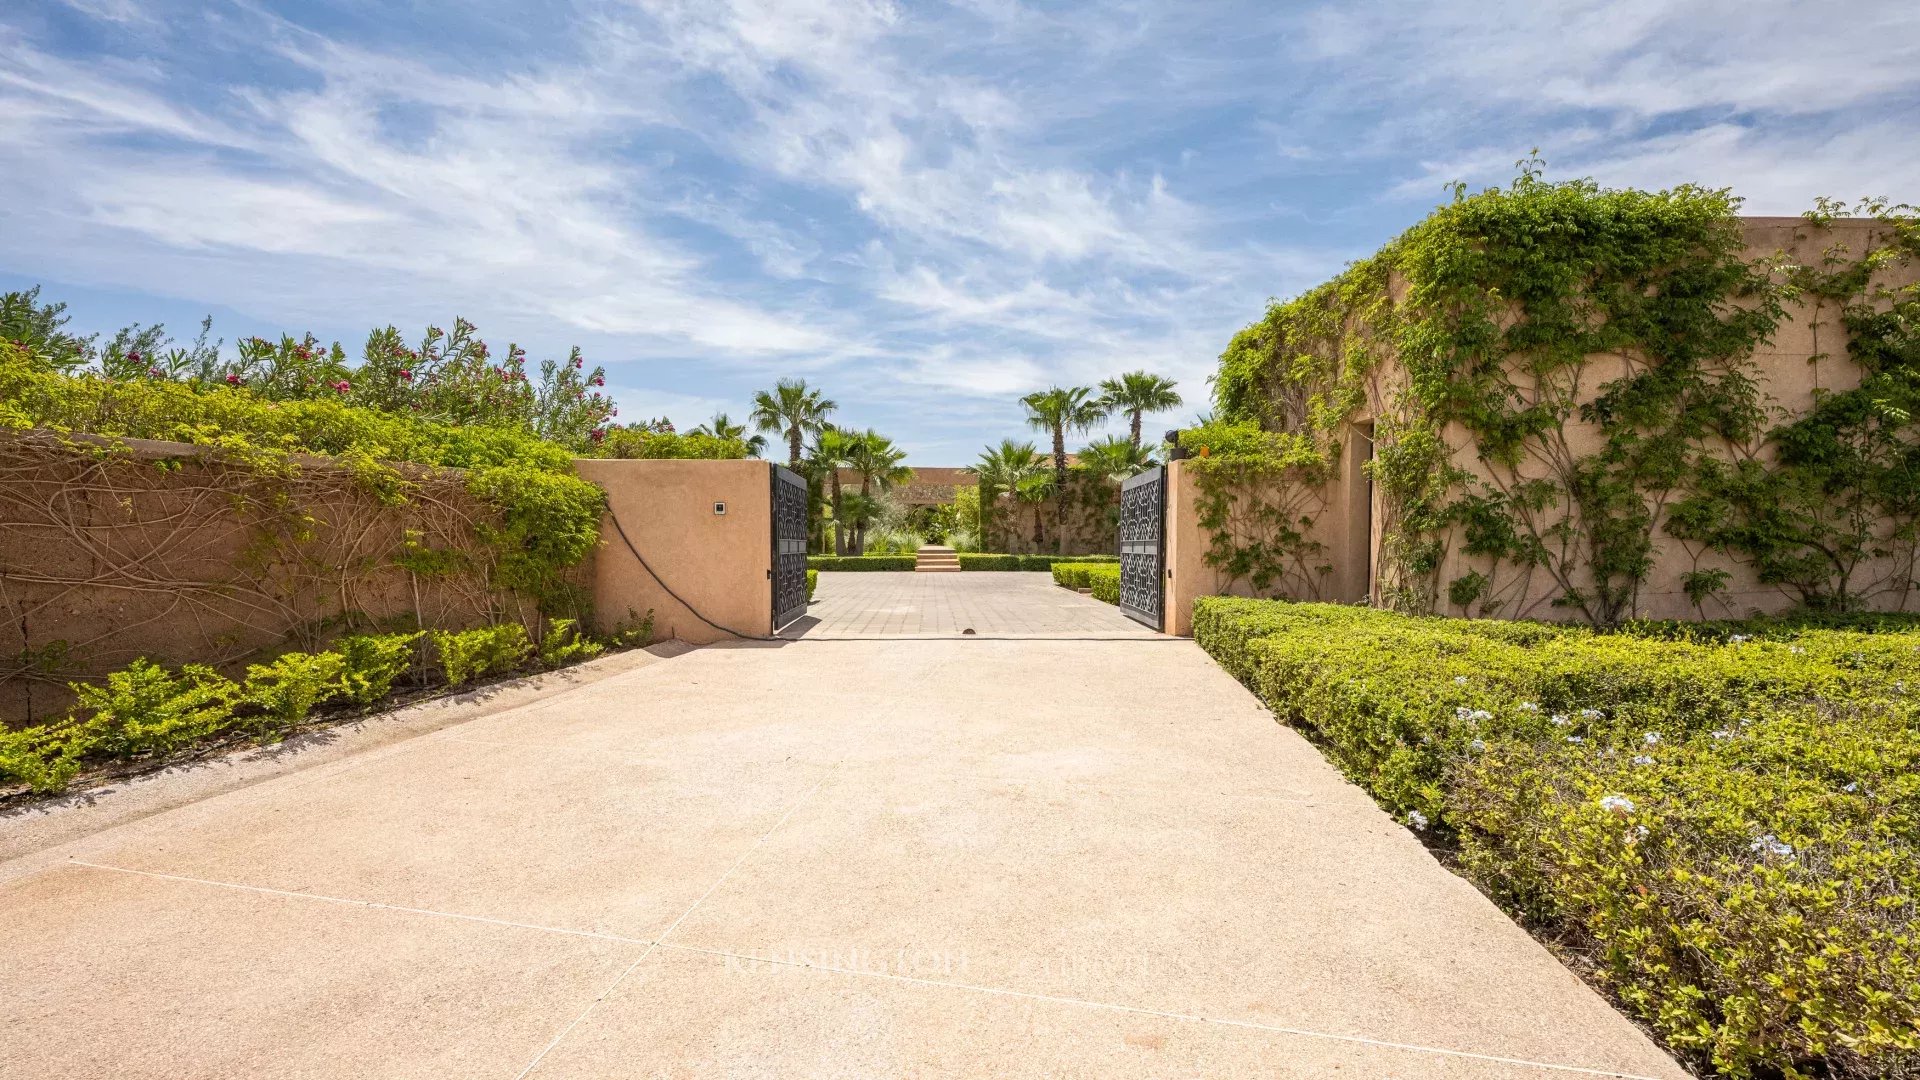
617,527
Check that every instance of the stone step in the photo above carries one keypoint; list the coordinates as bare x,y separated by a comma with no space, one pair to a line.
936,560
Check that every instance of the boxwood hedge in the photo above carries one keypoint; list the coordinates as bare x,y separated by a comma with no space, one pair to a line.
860,562
1722,820
983,561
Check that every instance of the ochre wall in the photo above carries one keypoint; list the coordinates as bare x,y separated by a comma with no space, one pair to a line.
718,564
154,550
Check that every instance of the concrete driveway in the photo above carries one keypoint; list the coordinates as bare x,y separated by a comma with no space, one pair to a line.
1015,603
904,858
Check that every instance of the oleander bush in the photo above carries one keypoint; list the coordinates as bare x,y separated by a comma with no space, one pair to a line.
1721,819
860,562
150,713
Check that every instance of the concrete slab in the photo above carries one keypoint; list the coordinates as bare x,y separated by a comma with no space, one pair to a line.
688,1015
117,976
934,858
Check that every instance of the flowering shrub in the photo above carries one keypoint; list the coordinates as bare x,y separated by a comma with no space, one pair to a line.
1724,819
659,440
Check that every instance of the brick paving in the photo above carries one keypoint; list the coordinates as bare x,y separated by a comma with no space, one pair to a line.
992,604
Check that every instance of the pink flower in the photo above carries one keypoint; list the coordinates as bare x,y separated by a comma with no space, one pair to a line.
598,434
153,373
342,386
232,379
406,375
133,356
599,380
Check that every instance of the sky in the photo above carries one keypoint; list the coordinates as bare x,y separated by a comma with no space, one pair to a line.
926,209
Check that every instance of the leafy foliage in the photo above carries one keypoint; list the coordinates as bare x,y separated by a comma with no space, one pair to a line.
1724,815
1531,315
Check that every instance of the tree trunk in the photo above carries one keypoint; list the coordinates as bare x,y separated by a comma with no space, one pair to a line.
1059,488
1136,429
839,518
793,448
1039,537
860,528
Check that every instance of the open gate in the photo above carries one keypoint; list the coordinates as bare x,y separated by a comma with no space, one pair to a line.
789,546
1143,548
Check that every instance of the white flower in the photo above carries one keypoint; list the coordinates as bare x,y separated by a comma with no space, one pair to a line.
1462,713
1640,831
1416,819
1592,714
1796,650
1642,759
1459,680
1770,845
1529,706
1736,639
1617,804
1478,715
1850,788
1560,720
1575,739
1478,745
1723,733
1651,738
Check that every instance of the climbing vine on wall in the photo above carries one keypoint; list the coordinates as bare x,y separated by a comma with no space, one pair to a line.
1260,495
1593,350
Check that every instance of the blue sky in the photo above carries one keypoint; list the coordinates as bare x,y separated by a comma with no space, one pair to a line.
926,208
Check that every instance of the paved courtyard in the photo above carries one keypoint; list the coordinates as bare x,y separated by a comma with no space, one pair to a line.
814,859
991,604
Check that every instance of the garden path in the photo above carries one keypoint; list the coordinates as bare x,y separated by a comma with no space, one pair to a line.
833,858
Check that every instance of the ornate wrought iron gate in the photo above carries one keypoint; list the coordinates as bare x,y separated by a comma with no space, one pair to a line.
789,546
1143,515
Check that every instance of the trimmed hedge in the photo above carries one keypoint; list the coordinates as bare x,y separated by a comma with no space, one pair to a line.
982,561
860,562
1724,818
1104,580
813,582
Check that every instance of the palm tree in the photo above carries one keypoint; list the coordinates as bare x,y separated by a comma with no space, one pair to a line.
723,427
1115,458
1137,393
1059,411
791,409
833,448
1034,489
1000,469
878,461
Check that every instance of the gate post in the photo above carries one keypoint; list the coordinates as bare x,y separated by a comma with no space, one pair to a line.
1186,575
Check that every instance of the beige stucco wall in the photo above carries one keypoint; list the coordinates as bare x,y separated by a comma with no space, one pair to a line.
718,563
1806,355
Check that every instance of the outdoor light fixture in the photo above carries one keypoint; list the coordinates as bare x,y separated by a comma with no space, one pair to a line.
719,509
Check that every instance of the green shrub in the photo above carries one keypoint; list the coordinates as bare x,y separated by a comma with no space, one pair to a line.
286,691
143,709
813,582
1105,583
982,561
860,562
1726,817
564,644
466,655
372,663
1071,575
46,756
979,561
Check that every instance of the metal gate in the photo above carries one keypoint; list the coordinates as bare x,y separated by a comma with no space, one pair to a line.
789,546
1143,515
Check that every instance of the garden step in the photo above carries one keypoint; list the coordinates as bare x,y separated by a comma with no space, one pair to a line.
935,560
